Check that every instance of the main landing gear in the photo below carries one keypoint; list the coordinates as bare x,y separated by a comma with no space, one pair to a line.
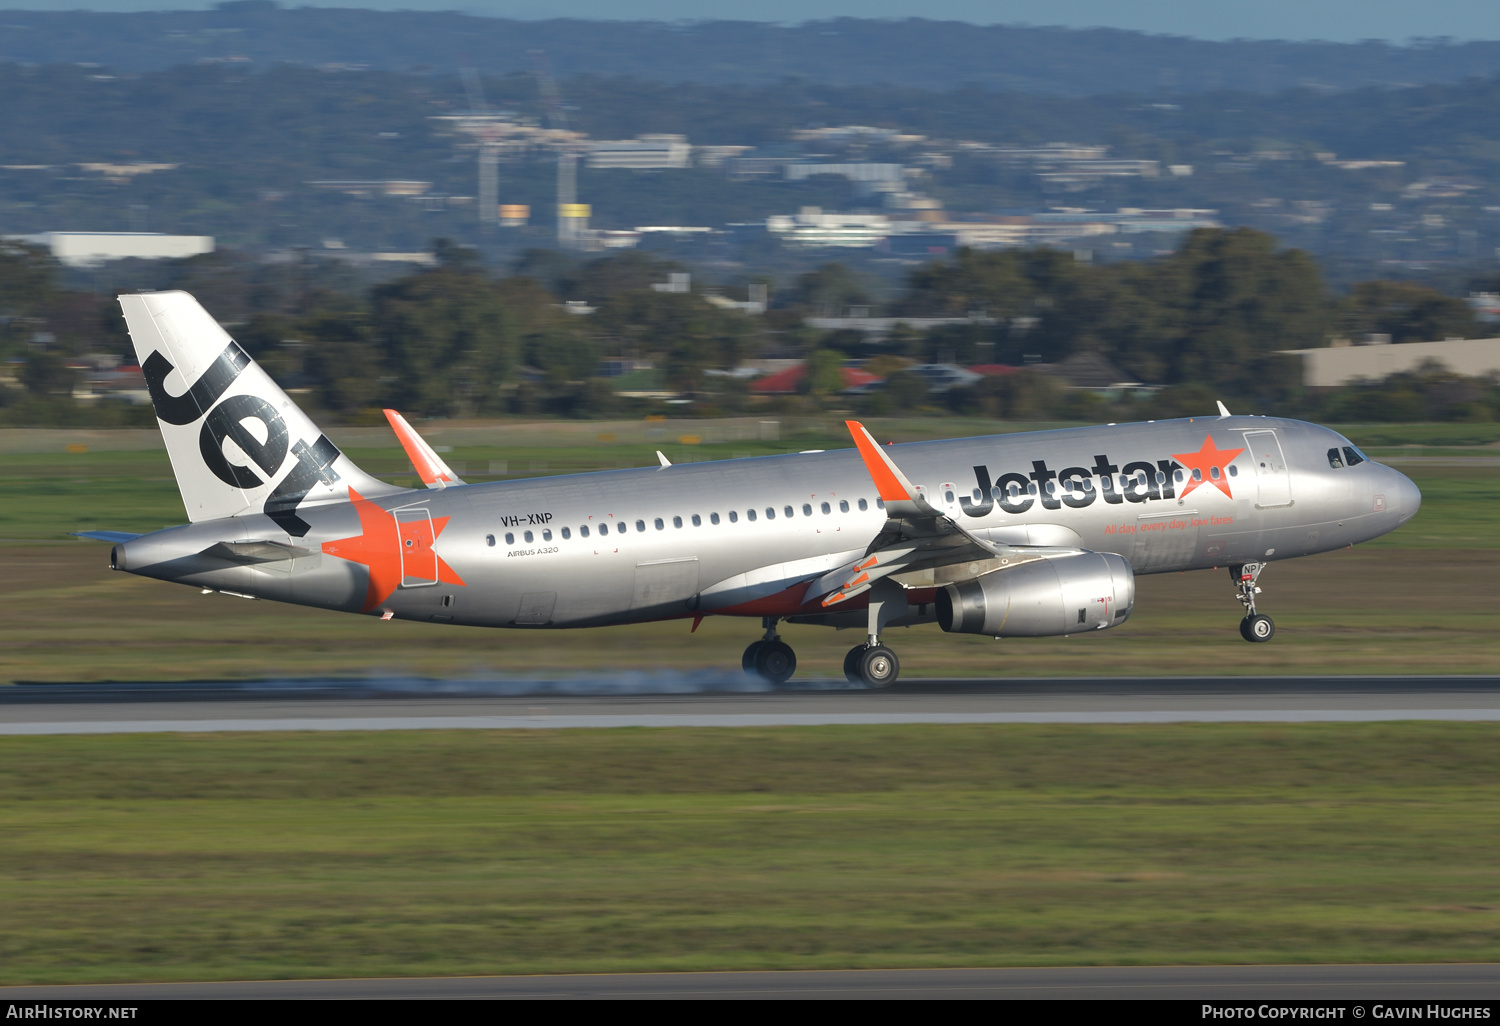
770,658
872,664
1255,626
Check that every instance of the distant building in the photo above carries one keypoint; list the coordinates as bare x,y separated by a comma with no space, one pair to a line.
876,328
364,189
867,173
745,168
645,152
813,228
90,249
1486,306
715,156
786,382
1332,366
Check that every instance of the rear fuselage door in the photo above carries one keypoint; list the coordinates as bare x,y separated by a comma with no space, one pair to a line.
1272,480
418,560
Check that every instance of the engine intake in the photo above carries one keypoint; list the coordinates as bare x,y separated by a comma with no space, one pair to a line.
1042,598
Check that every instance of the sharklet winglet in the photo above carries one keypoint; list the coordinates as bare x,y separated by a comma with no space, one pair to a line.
429,465
890,483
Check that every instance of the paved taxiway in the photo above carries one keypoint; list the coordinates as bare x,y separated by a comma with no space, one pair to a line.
700,701
1355,983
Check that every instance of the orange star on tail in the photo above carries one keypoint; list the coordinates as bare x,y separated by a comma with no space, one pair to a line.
1205,461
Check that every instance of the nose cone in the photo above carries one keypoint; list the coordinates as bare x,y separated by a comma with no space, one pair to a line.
1411,497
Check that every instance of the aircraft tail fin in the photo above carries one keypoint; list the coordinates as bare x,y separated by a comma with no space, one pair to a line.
237,442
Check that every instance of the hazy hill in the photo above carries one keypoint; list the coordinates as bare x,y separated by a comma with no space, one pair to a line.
913,53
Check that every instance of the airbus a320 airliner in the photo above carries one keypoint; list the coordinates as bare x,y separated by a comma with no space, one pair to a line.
1019,535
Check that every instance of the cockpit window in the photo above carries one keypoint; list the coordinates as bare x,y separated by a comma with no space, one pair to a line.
1353,455
1333,459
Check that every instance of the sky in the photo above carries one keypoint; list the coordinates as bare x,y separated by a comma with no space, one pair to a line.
1335,20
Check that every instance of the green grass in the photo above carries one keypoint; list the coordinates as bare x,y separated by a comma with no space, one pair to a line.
231,856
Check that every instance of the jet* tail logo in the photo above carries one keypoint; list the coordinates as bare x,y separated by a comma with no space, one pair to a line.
257,430
238,443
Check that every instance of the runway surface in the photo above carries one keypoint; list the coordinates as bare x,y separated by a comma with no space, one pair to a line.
1367,983
702,700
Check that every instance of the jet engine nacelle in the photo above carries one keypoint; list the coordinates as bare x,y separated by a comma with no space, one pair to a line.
1086,592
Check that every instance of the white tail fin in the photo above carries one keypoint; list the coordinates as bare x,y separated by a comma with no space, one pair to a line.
238,444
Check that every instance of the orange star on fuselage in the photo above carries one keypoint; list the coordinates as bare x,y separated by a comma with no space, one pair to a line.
1205,461
378,547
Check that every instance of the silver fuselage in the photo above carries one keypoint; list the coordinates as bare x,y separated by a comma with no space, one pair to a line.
506,561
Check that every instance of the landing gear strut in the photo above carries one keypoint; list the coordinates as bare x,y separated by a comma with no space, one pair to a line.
770,658
872,664
1255,626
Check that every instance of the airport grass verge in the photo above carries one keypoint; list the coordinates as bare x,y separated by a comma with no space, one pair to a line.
222,856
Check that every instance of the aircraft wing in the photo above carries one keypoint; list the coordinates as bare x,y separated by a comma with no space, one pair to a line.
430,466
916,534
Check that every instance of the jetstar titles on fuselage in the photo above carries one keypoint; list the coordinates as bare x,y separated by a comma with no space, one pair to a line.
1137,481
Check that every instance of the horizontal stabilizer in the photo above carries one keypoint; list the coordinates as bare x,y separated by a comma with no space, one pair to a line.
429,465
247,553
110,536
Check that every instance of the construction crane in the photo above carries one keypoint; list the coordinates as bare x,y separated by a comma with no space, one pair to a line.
489,151
572,216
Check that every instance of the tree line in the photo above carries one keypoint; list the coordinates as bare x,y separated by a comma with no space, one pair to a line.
1210,320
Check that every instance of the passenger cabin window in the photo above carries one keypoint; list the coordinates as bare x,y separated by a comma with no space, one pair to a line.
640,525
948,497
698,521
734,517
603,529
1333,459
583,532
1234,471
750,515
676,521
770,513
567,533
807,509
843,505
1353,455
863,505
879,503
713,518
788,511
1177,476
547,534
1197,474
510,538
660,524
827,508
489,540
528,536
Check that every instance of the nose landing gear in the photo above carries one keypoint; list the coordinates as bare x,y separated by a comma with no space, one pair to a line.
770,658
1254,627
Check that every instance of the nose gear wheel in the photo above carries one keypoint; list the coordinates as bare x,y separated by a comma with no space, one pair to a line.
1255,627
